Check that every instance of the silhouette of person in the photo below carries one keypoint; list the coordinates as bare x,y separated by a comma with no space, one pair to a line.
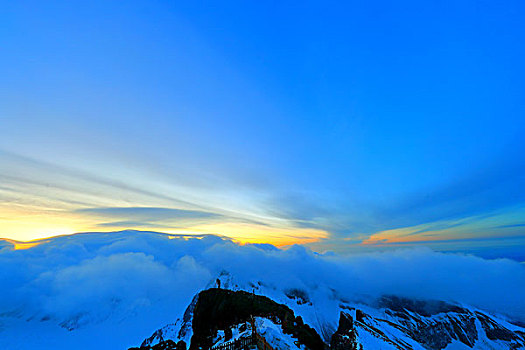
218,283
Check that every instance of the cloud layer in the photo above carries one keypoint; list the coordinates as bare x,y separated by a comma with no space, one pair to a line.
81,279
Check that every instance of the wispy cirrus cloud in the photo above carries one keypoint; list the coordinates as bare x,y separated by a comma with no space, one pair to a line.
39,199
148,213
149,216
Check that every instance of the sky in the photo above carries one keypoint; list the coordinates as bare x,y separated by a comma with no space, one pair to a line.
345,126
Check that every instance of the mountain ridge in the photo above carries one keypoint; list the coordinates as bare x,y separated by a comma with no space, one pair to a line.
390,323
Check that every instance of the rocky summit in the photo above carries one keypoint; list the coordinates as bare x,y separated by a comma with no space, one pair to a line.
220,319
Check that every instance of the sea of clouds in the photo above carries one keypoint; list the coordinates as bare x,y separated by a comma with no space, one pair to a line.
77,281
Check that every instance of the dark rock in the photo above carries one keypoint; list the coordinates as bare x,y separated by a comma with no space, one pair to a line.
221,309
164,345
495,331
345,337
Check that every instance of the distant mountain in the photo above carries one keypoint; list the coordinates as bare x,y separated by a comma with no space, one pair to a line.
397,323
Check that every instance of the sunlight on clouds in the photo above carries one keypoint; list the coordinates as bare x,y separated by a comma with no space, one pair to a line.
28,224
21,224
505,223
389,236
252,233
22,245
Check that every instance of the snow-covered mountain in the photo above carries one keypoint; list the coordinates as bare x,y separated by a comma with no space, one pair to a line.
389,322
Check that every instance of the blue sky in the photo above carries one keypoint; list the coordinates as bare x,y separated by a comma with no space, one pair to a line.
344,125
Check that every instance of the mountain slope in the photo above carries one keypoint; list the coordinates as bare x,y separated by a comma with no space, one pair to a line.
388,323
